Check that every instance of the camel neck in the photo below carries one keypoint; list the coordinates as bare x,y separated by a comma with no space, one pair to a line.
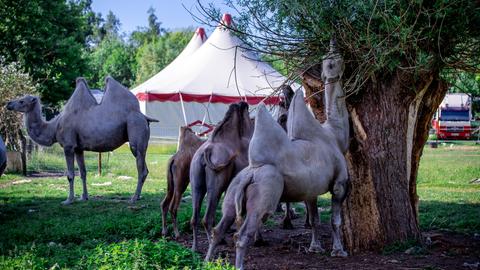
38,129
337,114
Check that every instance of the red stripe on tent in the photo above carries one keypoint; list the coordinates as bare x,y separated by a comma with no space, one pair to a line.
175,97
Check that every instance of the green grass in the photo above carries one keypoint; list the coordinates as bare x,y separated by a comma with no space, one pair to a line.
37,232
448,199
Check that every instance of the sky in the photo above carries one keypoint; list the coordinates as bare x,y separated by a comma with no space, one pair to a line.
133,13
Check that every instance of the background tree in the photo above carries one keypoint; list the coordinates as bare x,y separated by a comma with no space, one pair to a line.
396,54
47,38
14,82
156,54
113,57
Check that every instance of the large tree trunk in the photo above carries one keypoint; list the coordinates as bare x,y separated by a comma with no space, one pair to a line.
389,126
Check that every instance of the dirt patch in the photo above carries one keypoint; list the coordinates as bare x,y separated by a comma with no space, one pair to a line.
288,249
47,174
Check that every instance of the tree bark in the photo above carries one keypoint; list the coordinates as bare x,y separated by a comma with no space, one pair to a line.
389,126
315,92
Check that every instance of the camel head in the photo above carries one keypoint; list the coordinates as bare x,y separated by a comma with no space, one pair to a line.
227,129
25,104
332,65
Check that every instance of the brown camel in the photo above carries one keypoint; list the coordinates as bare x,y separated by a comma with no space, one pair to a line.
217,161
178,169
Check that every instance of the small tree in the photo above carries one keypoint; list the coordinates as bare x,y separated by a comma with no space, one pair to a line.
14,82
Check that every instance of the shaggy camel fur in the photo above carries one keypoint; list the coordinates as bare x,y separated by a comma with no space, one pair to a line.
3,156
216,162
85,125
178,169
310,161
255,190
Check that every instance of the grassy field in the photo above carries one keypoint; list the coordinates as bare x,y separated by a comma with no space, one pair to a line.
37,232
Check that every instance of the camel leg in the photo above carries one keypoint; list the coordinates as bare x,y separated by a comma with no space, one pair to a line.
228,218
177,198
287,220
315,245
338,196
168,197
165,205
141,170
138,135
307,218
83,173
70,159
245,237
197,179
214,191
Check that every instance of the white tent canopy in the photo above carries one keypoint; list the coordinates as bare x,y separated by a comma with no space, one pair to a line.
203,80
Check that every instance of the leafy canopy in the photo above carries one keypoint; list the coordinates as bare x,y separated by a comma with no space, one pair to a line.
47,38
376,37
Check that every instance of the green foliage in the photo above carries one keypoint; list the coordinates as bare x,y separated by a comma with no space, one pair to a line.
141,254
14,83
48,39
112,57
377,38
153,56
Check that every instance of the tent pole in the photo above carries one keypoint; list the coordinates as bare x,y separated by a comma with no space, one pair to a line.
206,111
183,109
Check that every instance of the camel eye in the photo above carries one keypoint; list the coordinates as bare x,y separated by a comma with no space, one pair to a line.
21,101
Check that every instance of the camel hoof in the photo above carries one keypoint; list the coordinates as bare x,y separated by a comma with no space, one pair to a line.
339,253
164,232
83,198
316,248
134,199
177,235
67,202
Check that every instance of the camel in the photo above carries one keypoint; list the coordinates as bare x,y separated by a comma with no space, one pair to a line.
216,162
310,161
85,125
3,156
178,169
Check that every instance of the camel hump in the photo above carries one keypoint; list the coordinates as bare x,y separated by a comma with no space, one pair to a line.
119,95
301,124
82,97
267,138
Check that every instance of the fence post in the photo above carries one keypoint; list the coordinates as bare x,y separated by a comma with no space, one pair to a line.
99,163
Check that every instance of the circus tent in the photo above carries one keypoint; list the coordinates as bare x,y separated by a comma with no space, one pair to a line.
198,86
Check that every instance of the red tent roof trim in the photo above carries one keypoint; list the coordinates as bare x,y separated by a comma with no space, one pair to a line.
175,97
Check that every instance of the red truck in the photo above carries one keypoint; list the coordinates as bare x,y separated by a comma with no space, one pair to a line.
453,118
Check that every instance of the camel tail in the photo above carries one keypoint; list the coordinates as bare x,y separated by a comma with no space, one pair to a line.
149,119
240,198
170,182
207,156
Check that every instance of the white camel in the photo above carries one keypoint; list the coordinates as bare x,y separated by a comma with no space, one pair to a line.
85,125
310,161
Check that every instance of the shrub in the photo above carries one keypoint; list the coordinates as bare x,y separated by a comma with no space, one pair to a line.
13,83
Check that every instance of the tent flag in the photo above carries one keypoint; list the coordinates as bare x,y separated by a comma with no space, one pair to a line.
199,85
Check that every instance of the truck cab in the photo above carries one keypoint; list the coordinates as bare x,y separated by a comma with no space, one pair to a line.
453,118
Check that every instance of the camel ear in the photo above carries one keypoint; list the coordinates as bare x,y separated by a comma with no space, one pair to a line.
33,100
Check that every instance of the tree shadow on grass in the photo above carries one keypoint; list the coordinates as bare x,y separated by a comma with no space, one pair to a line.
458,217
